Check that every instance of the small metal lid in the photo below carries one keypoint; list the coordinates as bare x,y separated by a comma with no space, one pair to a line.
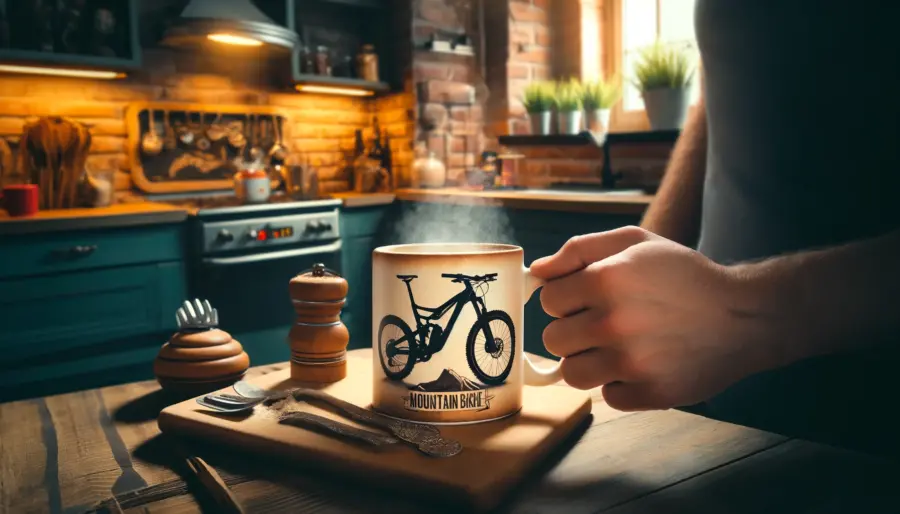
318,283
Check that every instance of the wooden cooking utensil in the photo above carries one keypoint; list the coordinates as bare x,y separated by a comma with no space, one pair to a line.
151,143
84,148
214,485
203,142
318,338
217,131
278,151
7,165
169,141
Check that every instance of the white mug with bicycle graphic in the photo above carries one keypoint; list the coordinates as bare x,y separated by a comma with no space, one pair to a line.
447,332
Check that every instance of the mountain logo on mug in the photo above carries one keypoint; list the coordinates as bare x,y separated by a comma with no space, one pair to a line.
490,343
450,392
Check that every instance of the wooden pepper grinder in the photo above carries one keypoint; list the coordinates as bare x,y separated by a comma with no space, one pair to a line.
199,358
318,338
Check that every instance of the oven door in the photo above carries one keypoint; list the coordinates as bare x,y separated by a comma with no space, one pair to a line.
250,293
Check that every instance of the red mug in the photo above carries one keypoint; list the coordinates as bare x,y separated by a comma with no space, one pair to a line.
20,199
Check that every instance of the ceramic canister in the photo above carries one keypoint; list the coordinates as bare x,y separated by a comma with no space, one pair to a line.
447,332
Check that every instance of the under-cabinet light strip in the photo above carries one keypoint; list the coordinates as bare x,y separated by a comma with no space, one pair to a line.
61,72
331,90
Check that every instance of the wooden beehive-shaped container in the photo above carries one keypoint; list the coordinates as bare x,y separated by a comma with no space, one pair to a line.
199,358
318,338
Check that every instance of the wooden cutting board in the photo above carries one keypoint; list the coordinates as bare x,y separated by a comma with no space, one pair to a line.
496,454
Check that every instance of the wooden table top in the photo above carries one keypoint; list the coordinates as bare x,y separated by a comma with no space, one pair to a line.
68,452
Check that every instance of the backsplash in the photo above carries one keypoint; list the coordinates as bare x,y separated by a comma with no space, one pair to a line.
321,129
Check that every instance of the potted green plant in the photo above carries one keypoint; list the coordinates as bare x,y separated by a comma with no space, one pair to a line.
538,101
568,107
664,74
597,98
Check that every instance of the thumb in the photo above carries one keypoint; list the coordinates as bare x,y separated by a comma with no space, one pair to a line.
581,251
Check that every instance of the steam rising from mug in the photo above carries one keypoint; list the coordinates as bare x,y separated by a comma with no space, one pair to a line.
453,223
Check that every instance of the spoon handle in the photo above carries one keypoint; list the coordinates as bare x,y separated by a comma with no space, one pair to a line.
352,411
307,419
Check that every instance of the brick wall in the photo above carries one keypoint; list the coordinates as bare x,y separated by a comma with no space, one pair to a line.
450,89
322,127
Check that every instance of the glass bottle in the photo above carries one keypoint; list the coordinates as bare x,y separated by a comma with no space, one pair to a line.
323,66
367,62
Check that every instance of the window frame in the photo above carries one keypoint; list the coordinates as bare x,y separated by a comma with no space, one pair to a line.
613,57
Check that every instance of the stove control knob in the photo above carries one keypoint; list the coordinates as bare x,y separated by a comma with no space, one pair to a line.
225,236
325,226
253,234
314,226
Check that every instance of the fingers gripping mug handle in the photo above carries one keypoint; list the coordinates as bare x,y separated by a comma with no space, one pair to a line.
535,376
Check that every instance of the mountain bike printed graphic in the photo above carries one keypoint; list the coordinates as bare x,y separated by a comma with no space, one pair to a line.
490,346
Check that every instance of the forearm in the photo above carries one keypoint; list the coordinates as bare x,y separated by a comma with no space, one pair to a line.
821,302
676,210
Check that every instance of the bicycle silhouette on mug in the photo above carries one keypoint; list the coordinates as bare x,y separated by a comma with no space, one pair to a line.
490,346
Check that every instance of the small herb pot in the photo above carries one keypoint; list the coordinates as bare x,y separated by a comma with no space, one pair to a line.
541,123
569,122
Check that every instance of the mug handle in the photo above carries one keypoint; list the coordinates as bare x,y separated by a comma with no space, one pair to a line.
535,376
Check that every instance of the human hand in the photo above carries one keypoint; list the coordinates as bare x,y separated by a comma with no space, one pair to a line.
655,323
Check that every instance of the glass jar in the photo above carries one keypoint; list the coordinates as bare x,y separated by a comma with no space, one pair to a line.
428,170
367,62
323,65
307,60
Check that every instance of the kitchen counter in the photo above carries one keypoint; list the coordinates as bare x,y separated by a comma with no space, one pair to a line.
354,200
603,203
118,215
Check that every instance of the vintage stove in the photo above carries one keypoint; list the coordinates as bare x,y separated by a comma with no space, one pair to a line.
241,258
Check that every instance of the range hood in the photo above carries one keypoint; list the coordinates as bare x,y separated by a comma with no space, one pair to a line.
234,22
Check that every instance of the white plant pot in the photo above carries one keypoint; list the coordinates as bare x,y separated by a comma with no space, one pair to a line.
569,122
597,121
666,108
540,122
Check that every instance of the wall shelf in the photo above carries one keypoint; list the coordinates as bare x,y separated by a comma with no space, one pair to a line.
608,177
118,51
341,82
588,138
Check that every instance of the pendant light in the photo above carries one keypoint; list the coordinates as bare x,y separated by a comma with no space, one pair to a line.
230,22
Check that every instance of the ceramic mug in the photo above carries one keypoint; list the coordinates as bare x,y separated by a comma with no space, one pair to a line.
447,332
20,199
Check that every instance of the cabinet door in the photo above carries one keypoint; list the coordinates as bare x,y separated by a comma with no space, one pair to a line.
74,315
357,315
100,34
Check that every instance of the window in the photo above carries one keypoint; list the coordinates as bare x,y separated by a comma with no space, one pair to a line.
642,22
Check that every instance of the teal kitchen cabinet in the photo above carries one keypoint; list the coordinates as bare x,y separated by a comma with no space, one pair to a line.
85,308
538,232
100,35
362,231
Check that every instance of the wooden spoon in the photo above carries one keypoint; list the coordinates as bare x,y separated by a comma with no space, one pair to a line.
151,143
169,143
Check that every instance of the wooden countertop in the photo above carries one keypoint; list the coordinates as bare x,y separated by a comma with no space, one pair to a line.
353,200
540,200
68,452
118,215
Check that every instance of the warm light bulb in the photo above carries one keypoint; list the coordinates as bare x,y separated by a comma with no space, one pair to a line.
231,39
62,72
329,90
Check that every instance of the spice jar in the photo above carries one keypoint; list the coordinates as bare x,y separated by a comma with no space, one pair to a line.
318,338
307,60
323,66
367,61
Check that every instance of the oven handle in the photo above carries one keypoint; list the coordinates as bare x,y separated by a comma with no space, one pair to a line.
271,256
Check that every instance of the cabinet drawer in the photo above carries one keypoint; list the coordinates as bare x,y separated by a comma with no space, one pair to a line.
61,317
37,254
